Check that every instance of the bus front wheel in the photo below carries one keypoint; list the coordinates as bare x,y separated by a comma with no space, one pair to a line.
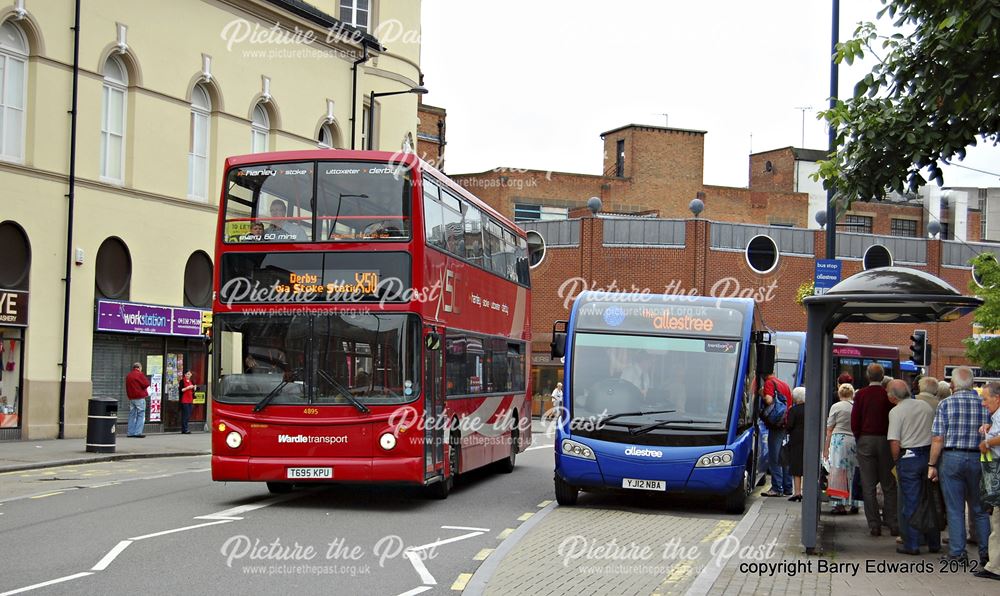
736,501
565,493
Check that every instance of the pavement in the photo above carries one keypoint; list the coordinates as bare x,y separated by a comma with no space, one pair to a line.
608,546
30,455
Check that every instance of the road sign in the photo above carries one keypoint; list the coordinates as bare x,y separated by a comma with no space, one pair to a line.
827,275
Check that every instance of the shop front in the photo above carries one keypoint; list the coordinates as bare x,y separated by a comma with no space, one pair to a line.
167,341
13,326
545,373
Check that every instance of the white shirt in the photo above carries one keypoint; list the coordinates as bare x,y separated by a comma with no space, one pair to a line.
910,423
557,393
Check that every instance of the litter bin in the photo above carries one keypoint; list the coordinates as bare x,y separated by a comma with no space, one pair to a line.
102,415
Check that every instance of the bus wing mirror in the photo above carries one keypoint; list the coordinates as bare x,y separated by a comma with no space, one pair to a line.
432,341
765,359
558,345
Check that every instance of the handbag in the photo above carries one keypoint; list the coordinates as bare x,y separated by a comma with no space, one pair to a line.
990,483
929,516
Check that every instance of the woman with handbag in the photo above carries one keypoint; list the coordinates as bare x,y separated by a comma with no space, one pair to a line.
841,452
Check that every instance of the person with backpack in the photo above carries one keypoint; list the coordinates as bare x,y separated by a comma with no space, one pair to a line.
870,425
777,400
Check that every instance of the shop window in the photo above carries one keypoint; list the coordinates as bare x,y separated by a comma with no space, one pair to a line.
198,280
15,257
114,270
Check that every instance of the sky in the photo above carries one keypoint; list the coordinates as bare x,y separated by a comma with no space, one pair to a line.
533,83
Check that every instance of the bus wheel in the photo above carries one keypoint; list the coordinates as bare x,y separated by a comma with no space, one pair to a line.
736,501
441,489
279,488
506,465
565,494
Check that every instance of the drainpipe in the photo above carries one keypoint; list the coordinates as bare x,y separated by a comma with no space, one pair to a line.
71,195
354,93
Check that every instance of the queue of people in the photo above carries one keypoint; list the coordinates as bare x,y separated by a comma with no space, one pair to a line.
928,433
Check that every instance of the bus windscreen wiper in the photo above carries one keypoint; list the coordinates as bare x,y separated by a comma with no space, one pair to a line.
607,418
343,392
641,430
274,392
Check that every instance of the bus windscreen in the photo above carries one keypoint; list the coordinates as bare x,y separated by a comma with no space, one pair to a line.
631,373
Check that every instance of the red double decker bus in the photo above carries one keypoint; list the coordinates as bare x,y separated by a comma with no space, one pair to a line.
371,324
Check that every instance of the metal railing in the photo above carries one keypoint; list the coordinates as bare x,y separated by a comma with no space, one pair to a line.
563,232
644,232
732,236
903,250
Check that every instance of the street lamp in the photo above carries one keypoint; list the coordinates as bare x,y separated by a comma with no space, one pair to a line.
419,90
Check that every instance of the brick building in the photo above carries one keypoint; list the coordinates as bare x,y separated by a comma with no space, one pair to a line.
431,131
698,256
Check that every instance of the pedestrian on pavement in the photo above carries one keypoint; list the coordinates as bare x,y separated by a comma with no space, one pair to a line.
991,443
137,390
187,402
557,397
870,424
841,452
954,460
927,388
909,437
781,480
944,390
796,429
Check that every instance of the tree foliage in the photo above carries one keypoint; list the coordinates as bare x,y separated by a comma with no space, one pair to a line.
931,94
986,352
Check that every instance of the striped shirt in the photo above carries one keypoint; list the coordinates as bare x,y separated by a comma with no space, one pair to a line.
958,420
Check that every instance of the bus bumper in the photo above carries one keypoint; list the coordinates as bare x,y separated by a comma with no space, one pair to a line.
396,470
679,475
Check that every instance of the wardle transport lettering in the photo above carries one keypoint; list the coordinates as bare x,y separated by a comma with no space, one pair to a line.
644,452
311,439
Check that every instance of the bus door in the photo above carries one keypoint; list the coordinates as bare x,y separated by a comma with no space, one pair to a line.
433,404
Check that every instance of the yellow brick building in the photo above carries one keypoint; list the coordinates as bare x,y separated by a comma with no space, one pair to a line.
165,91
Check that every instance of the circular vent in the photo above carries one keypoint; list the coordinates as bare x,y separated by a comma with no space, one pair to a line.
762,254
877,256
114,270
15,257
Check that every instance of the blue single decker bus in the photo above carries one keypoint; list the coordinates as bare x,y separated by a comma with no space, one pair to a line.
660,395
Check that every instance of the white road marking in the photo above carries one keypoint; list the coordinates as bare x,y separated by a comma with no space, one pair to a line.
175,530
416,591
235,513
539,447
110,557
446,541
464,528
48,583
418,565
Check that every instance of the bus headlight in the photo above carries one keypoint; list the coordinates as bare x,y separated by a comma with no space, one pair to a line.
577,450
234,439
715,459
387,441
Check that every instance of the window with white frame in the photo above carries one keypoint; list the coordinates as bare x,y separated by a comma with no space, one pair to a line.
328,137
260,126
201,109
113,119
356,12
366,115
13,83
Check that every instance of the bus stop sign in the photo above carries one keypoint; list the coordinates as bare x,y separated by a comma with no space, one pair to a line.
827,275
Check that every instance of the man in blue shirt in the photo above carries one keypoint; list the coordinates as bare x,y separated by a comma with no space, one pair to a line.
954,460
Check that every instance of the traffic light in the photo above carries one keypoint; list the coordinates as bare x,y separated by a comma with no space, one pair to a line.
919,348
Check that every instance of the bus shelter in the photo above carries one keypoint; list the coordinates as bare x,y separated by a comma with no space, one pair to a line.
883,295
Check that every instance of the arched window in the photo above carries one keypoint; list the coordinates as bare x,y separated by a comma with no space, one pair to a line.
260,126
114,270
16,262
328,137
198,280
13,85
201,108
113,119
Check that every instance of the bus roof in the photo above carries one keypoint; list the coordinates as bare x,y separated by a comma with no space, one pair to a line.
745,305
410,160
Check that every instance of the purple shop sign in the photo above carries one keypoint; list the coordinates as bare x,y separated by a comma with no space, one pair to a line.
129,317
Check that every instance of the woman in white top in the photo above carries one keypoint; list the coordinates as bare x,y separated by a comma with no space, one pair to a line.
841,452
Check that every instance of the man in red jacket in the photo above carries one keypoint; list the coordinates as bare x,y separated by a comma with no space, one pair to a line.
136,389
870,425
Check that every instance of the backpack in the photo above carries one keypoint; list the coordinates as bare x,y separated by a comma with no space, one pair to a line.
776,415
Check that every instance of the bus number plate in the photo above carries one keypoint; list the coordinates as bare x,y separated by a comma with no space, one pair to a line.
298,473
644,484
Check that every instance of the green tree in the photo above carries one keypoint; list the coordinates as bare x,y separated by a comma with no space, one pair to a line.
986,352
931,94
